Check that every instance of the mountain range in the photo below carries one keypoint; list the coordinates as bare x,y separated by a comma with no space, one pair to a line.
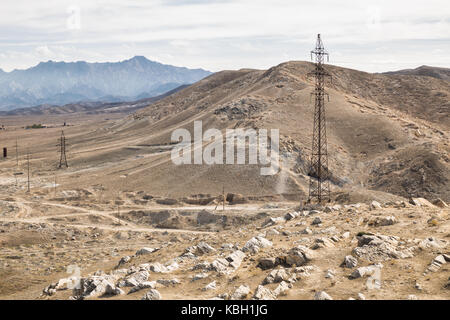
59,83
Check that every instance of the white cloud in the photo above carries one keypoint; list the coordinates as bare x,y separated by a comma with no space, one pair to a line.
44,51
225,34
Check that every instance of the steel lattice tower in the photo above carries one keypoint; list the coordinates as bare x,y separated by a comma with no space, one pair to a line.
62,145
319,186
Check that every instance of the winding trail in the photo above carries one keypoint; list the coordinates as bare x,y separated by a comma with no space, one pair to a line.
25,212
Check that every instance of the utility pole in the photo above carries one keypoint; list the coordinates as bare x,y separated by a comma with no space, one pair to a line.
319,186
17,155
55,185
28,169
223,198
62,151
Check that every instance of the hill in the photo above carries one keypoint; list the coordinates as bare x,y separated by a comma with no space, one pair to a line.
427,71
131,219
387,136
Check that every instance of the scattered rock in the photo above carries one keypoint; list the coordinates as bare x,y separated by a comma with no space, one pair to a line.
152,294
431,242
282,289
440,203
263,293
227,247
291,215
272,221
303,271
375,205
299,255
272,232
202,248
254,244
93,286
276,276
112,290
210,286
202,266
345,235
159,268
418,286
145,251
447,285
240,293
421,202
379,248
322,243
383,221
168,282
124,260
437,263
134,279
235,259
219,265
365,271
316,220
330,274
267,263
143,285
322,295
199,276
350,262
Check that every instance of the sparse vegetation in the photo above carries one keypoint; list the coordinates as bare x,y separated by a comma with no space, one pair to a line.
35,126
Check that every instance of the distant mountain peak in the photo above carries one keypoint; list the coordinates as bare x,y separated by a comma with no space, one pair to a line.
59,82
139,58
424,70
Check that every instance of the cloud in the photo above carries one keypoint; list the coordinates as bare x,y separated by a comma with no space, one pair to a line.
225,33
44,51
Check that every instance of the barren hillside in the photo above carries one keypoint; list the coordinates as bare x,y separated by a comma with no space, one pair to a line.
386,133
139,226
377,126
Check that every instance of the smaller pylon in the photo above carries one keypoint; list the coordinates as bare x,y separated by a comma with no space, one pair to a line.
28,171
62,151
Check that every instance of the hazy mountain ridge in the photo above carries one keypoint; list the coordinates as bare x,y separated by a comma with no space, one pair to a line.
94,107
59,83
435,72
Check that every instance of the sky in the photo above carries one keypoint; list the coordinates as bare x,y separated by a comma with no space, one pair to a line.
373,36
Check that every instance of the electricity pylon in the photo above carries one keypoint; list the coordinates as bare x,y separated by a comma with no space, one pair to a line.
319,185
62,145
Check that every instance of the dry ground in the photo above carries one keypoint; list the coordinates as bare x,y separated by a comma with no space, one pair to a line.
121,191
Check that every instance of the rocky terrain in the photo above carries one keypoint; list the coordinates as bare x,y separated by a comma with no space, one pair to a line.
396,250
124,222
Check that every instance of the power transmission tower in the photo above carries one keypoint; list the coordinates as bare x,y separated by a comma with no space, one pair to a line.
319,186
62,145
